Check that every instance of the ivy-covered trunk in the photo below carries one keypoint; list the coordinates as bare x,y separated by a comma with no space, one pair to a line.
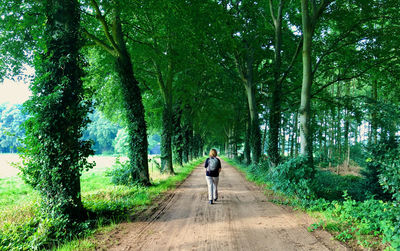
177,141
55,154
166,136
187,136
197,146
246,150
186,148
133,105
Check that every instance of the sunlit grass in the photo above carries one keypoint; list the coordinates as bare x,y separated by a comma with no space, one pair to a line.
112,204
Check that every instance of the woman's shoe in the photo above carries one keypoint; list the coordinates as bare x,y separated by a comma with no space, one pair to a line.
211,202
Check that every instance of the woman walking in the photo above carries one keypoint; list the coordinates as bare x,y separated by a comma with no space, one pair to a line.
213,168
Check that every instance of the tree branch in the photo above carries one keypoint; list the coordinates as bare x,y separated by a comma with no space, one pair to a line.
297,52
101,43
272,13
103,22
317,14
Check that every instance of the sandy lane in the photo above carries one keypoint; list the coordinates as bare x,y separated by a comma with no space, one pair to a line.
241,219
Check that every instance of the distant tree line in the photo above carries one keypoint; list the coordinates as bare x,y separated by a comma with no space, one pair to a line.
107,137
11,118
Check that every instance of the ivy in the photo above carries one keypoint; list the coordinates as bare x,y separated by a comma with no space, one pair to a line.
55,155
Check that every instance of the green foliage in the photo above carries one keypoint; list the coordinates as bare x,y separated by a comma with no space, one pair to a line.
366,221
294,177
121,173
102,132
121,142
331,186
382,170
372,217
11,118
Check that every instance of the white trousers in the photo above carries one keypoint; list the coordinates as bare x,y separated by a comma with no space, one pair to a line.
212,183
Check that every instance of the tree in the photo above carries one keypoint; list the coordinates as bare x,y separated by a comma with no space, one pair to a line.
55,155
114,43
309,22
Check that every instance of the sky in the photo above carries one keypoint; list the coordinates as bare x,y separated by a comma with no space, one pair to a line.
15,92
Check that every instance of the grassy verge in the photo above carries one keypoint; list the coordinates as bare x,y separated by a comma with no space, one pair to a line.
111,204
372,224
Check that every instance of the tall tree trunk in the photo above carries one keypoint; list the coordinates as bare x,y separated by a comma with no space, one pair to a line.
309,20
177,141
347,126
275,105
305,104
293,134
283,141
191,141
246,74
339,125
166,139
165,85
296,136
246,150
264,137
325,129
186,135
255,134
136,124
374,123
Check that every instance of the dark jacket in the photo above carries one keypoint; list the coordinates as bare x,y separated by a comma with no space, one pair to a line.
214,173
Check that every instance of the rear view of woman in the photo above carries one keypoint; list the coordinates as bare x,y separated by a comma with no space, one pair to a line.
213,168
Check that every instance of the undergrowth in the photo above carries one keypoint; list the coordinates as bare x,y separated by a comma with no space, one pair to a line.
338,202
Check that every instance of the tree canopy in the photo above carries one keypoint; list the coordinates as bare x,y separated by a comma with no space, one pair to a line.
261,81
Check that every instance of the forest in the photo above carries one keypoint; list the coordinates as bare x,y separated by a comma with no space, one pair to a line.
302,95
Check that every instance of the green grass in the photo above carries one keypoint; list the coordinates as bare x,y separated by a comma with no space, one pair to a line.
13,191
111,204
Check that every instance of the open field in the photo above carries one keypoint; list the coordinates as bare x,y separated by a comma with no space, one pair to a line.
8,169
14,192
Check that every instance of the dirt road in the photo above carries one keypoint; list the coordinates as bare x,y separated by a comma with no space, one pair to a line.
241,219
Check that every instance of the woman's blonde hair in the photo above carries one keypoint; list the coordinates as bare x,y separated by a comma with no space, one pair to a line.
213,153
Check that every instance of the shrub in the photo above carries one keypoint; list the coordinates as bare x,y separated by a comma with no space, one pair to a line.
382,172
294,177
121,174
331,186
389,178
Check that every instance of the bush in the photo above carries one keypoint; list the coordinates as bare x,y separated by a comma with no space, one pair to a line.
382,172
294,177
121,174
331,186
389,177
